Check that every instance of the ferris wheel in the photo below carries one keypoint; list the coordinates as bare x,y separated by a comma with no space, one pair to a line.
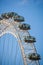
12,23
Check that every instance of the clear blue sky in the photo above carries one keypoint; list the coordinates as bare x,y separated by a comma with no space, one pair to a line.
32,10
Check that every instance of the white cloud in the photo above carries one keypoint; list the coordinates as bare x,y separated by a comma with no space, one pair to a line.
22,2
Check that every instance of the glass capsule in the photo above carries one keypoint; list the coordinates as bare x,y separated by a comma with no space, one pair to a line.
24,26
34,56
29,39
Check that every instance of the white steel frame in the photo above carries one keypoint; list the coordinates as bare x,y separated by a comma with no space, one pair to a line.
11,26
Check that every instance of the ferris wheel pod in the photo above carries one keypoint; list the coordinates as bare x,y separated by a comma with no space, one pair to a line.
11,14
29,39
1,18
5,16
34,56
24,26
18,18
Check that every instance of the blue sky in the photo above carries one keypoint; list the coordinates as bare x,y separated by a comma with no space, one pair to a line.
32,10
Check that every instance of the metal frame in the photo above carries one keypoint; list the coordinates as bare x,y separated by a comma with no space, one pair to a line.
12,28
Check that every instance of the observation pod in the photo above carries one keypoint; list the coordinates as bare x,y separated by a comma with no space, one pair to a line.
12,14
29,39
9,15
1,18
34,56
18,18
5,16
24,26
